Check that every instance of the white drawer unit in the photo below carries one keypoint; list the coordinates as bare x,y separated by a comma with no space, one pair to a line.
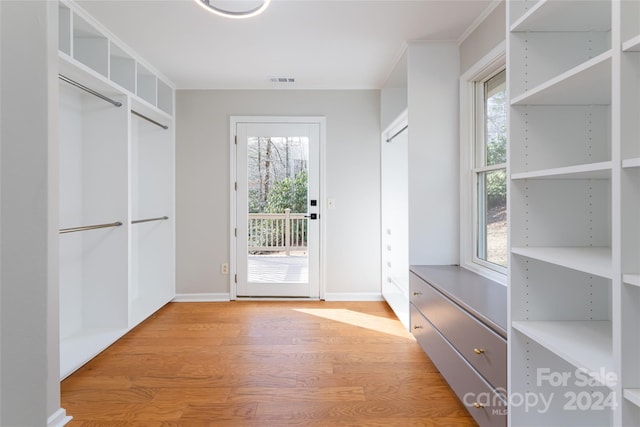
459,319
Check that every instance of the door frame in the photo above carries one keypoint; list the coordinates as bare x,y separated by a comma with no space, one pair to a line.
233,122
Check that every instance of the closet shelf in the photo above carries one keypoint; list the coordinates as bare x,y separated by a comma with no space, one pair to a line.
584,344
632,45
601,170
631,279
553,15
631,163
591,260
568,87
632,395
80,73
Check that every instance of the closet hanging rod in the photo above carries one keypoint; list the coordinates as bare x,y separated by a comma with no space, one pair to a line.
142,116
89,227
87,89
397,133
160,218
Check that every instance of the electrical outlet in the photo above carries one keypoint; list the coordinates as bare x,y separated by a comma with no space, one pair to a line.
224,268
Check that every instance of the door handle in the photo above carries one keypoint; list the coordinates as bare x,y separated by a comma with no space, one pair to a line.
312,216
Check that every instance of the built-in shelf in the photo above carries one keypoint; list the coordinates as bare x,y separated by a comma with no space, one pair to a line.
551,15
631,163
122,68
165,97
568,87
146,85
632,395
631,279
64,29
575,160
110,166
601,170
584,344
632,45
78,349
90,46
83,42
591,260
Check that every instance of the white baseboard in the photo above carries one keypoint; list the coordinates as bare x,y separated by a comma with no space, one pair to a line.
333,296
202,297
58,418
353,296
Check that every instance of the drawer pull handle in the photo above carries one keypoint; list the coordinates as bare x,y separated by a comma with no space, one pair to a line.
478,350
415,293
417,327
478,405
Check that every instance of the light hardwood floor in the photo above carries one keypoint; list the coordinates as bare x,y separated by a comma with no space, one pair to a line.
265,363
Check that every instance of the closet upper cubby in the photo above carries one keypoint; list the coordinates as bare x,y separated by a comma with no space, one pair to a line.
84,40
123,68
165,97
64,29
90,46
146,85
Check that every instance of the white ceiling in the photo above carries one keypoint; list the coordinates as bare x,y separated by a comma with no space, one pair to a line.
323,44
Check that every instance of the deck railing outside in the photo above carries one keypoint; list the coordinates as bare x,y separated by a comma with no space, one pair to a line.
284,232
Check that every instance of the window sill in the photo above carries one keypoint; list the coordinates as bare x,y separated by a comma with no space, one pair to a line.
486,272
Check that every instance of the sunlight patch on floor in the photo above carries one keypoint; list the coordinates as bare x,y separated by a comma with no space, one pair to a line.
362,320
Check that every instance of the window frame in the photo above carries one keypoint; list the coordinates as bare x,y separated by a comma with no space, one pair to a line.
471,83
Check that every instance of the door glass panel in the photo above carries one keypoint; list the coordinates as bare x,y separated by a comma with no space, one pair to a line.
277,183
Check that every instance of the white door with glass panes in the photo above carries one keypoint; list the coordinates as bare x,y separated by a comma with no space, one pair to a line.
277,207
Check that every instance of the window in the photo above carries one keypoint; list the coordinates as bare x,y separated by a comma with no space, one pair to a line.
490,171
483,166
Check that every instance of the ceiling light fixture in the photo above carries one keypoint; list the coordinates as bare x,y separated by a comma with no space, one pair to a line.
235,8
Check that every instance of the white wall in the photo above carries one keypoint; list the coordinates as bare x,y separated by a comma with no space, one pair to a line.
433,70
352,178
490,33
393,96
30,367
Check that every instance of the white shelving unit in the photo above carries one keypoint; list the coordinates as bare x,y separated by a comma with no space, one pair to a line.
584,344
630,207
574,144
592,260
116,154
